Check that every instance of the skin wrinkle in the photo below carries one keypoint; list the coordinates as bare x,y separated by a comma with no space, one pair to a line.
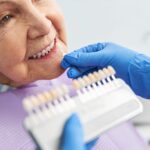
3,34
33,25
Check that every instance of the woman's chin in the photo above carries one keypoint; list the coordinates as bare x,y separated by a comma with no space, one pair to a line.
54,74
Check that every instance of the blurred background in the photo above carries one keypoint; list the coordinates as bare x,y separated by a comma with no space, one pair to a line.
126,22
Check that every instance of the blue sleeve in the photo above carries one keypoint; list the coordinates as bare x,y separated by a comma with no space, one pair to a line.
139,75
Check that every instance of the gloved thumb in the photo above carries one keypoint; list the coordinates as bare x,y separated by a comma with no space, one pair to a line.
73,137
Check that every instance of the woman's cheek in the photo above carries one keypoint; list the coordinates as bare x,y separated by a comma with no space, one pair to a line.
18,73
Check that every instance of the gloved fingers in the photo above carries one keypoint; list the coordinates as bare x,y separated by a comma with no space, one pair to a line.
73,137
78,59
64,64
81,59
84,56
91,144
92,48
75,72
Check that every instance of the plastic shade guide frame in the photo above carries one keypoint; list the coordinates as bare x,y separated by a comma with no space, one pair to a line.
102,101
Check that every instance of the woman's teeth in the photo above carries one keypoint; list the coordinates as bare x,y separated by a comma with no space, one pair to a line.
43,53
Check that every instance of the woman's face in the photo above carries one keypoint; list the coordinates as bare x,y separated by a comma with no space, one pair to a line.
32,40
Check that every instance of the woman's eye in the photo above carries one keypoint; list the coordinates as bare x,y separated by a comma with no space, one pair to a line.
5,19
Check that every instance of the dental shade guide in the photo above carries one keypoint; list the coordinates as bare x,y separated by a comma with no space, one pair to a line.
102,101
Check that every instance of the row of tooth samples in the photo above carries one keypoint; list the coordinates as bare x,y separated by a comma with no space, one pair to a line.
95,77
49,100
96,83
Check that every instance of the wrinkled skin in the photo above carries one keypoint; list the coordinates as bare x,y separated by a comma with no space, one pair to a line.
26,28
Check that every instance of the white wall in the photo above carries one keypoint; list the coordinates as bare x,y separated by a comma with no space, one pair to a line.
126,22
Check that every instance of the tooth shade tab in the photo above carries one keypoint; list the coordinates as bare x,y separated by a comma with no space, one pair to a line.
81,82
106,72
111,70
35,102
27,104
54,93
101,74
48,96
76,84
87,80
96,75
92,77
41,98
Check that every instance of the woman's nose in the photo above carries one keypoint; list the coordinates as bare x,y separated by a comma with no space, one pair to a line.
39,26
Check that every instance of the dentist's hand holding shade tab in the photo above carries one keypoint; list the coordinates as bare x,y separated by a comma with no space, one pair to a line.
98,56
129,65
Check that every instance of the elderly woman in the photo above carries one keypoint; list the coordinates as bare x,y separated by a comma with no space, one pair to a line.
32,44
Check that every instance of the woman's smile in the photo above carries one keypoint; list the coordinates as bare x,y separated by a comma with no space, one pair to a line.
46,52
35,36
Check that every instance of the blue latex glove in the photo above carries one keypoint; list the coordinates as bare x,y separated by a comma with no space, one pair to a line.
98,56
73,136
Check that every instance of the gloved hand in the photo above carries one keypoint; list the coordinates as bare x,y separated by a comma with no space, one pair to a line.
98,56
73,136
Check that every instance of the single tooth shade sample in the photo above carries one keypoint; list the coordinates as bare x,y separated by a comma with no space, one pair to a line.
54,93
41,98
76,84
96,75
106,71
81,82
101,74
27,104
47,96
35,101
111,70
87,80
92,77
